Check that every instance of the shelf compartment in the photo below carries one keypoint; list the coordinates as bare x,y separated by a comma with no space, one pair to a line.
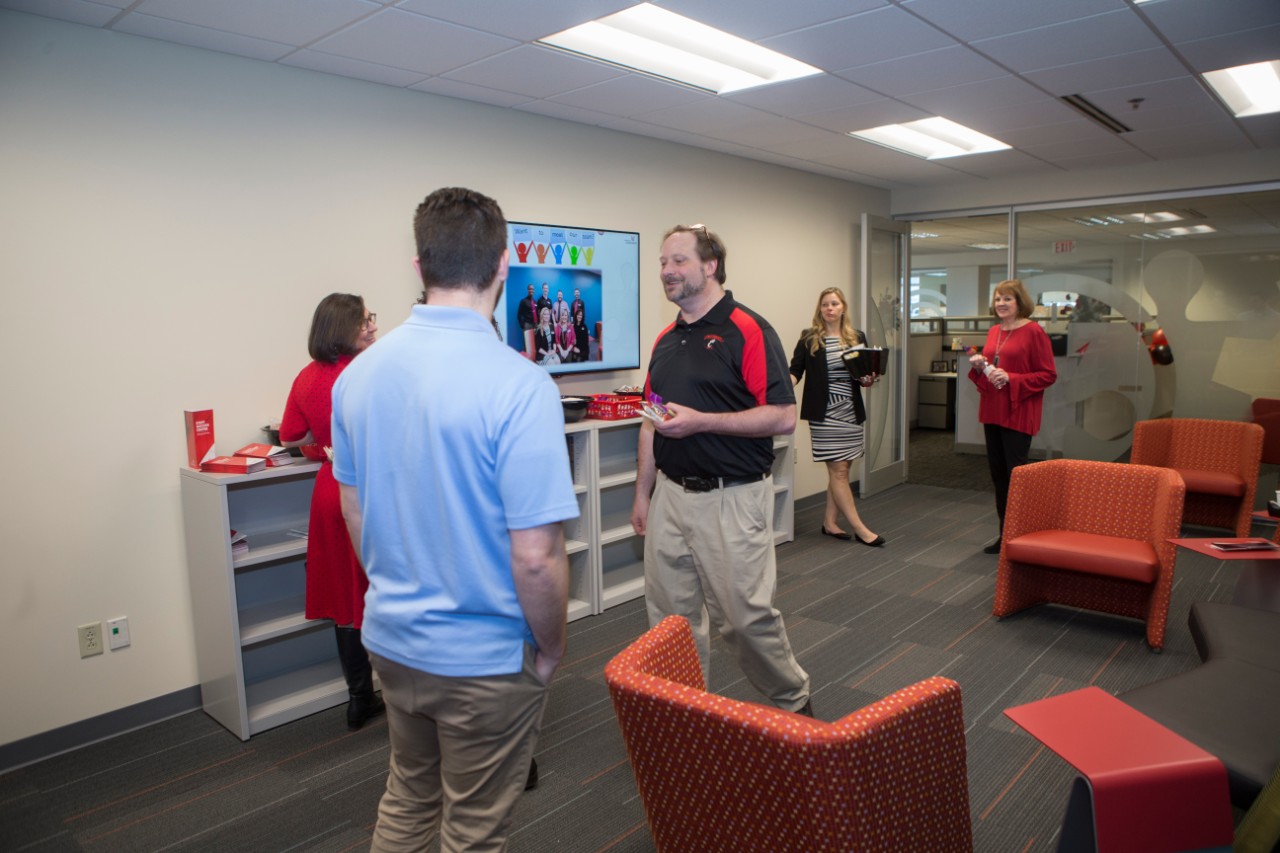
619,446
615,506
291,676
581,585
622,570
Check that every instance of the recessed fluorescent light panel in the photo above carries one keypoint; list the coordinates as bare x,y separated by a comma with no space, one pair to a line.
930,139
989,246
1184,231
654,41
1248,90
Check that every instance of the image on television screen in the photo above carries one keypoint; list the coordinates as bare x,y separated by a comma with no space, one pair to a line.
572,298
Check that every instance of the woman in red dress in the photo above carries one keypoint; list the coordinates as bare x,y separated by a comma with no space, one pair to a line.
1011,373
340,330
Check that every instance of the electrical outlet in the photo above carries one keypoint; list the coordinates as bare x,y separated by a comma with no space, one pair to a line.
118,632
90,639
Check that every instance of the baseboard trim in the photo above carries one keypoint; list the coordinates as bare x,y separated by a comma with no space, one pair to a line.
36,748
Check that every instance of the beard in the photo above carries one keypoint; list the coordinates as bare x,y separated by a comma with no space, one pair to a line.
688,288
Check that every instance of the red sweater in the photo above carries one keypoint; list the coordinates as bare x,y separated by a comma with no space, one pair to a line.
1027,357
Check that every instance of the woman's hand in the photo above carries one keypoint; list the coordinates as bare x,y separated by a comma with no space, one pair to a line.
978,361
869,380
998,378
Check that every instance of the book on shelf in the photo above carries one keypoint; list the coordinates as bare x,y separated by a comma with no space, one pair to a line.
239,543
233,465
274,454
199,425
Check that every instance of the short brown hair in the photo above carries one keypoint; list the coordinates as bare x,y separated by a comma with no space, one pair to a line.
710,246
1015,288
460,236
335,327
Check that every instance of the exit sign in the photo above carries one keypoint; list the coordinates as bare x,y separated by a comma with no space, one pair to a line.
1063,246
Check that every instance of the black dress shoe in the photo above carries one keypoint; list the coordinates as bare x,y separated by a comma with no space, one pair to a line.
874,543
806,709
994,547
532,781
838,535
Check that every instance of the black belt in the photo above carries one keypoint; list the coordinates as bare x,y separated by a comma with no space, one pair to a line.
706,484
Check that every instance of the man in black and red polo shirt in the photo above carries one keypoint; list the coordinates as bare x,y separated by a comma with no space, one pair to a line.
704,500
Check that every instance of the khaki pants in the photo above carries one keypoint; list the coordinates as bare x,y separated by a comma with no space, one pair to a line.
708,556
460,750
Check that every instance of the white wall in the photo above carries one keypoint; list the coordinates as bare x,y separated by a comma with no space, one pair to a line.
171,217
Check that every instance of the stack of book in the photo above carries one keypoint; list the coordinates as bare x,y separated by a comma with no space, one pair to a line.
274,455
233,465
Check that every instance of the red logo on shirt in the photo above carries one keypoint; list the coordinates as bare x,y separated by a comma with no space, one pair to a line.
711,339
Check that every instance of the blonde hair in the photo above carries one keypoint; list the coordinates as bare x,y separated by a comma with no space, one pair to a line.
849,336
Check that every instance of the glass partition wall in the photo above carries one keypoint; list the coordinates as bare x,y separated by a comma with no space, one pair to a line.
1156,307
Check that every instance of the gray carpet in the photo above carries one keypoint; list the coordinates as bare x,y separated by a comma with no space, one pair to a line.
932,460
863,622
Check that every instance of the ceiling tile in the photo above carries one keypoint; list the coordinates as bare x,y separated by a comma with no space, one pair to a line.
868,37
295,22
522,21
75,11
714,114
314,60
999,17
397,39
633,94
999,164
998,120
768,134
1211,54
1181,21
863,116
538,72
467,92
1165,104
1077,130
1144,66
811,94
1096,37
758,20
1191,140
179,33
969,97
565,112
1054,150
924,72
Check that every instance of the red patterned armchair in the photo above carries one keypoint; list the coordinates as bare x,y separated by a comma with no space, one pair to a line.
716,774
1218,462
1091,535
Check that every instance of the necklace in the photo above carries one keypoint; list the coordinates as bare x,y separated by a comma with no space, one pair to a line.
1000,342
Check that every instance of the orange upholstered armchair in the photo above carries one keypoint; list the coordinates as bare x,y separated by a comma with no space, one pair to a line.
717,774
1091,535
1218,462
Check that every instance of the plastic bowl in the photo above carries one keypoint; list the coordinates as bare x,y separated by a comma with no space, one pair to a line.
575,408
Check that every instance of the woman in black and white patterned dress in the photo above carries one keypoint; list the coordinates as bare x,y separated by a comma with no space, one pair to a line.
832,404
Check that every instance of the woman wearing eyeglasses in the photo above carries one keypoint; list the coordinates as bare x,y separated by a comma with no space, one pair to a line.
341,329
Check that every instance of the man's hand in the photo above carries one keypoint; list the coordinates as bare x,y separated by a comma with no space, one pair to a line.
682,421
640,513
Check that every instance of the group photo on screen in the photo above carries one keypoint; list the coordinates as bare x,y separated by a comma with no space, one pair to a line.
554,314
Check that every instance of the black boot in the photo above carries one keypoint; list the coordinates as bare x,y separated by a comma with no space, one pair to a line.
364,704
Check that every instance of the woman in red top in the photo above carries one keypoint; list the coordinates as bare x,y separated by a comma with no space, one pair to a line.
340,330
1012,372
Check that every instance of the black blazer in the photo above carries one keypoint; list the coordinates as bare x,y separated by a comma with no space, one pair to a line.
813,401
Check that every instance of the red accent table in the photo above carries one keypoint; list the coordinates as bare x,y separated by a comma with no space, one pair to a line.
1142,788
1259,583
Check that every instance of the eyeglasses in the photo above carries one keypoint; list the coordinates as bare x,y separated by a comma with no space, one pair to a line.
371,320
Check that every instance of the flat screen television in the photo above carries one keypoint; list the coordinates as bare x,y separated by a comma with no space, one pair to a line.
572,298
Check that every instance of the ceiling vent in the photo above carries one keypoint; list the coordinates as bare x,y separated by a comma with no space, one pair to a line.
1081,105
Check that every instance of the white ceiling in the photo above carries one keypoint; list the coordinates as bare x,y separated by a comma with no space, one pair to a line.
998,66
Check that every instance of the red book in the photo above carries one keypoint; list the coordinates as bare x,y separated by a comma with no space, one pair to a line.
233,465
199,424
274,455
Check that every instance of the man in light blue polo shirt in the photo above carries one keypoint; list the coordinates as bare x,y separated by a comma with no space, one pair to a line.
450,457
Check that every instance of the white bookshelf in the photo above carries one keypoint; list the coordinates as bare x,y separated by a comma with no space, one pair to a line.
262,663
